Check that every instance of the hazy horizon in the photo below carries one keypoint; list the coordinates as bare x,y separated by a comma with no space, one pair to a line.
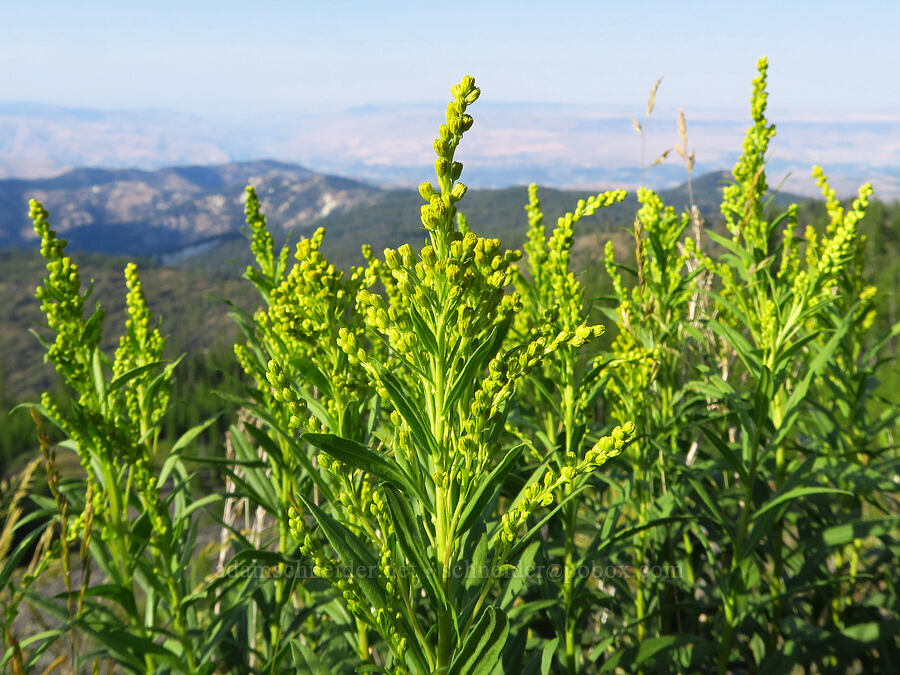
359,89
223,58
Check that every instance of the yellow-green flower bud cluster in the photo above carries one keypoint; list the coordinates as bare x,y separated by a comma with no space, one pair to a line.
560,287
401,443
504,372
768,324
659,225
790,252
283,392
63,305
311,317
72,431
608,447
866,314
536,495
553,286
840,248
261,244
635,367
473,273
542,493
832,204
742,201
141,345
146,485
438,214
609,261
249,365
536,244
323,566
328,463
306,304
388,621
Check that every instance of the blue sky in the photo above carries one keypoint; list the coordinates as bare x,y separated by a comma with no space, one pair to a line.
259,58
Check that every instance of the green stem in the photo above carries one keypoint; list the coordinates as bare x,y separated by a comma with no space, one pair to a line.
569,585
730,600
445,624
777,415
363,633
570,518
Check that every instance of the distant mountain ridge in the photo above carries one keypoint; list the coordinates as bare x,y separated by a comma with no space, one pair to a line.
180,213
138,212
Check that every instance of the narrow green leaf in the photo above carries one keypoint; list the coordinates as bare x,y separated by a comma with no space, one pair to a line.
873,631
183,441
710,504
475,363
362,457
351,551
794,494
644,652
258,486
12,561
314,375
313,664
124,378
481,651
199,504
423,332
488,488
859,529
411,538
421,431
99,379
122,596
746,351
731,459
547,655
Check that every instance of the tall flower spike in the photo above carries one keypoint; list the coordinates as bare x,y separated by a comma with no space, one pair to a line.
439,214
62,302
742,201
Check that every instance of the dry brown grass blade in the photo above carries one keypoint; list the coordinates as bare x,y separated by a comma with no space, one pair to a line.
639,254
662,157
651,102
18,663
14,511
58,661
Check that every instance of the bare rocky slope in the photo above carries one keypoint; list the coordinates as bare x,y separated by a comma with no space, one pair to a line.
136,212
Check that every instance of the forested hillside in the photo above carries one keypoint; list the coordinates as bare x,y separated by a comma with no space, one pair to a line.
187,295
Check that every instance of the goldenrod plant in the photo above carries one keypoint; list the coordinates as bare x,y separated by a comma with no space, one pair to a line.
560,395
303,380
131,518
422,513
647,383
444,465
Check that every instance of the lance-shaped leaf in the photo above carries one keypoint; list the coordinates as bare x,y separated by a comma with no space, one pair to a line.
480,653
421,431
411,539
488,488
794,494
352,552
362,457
475,363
